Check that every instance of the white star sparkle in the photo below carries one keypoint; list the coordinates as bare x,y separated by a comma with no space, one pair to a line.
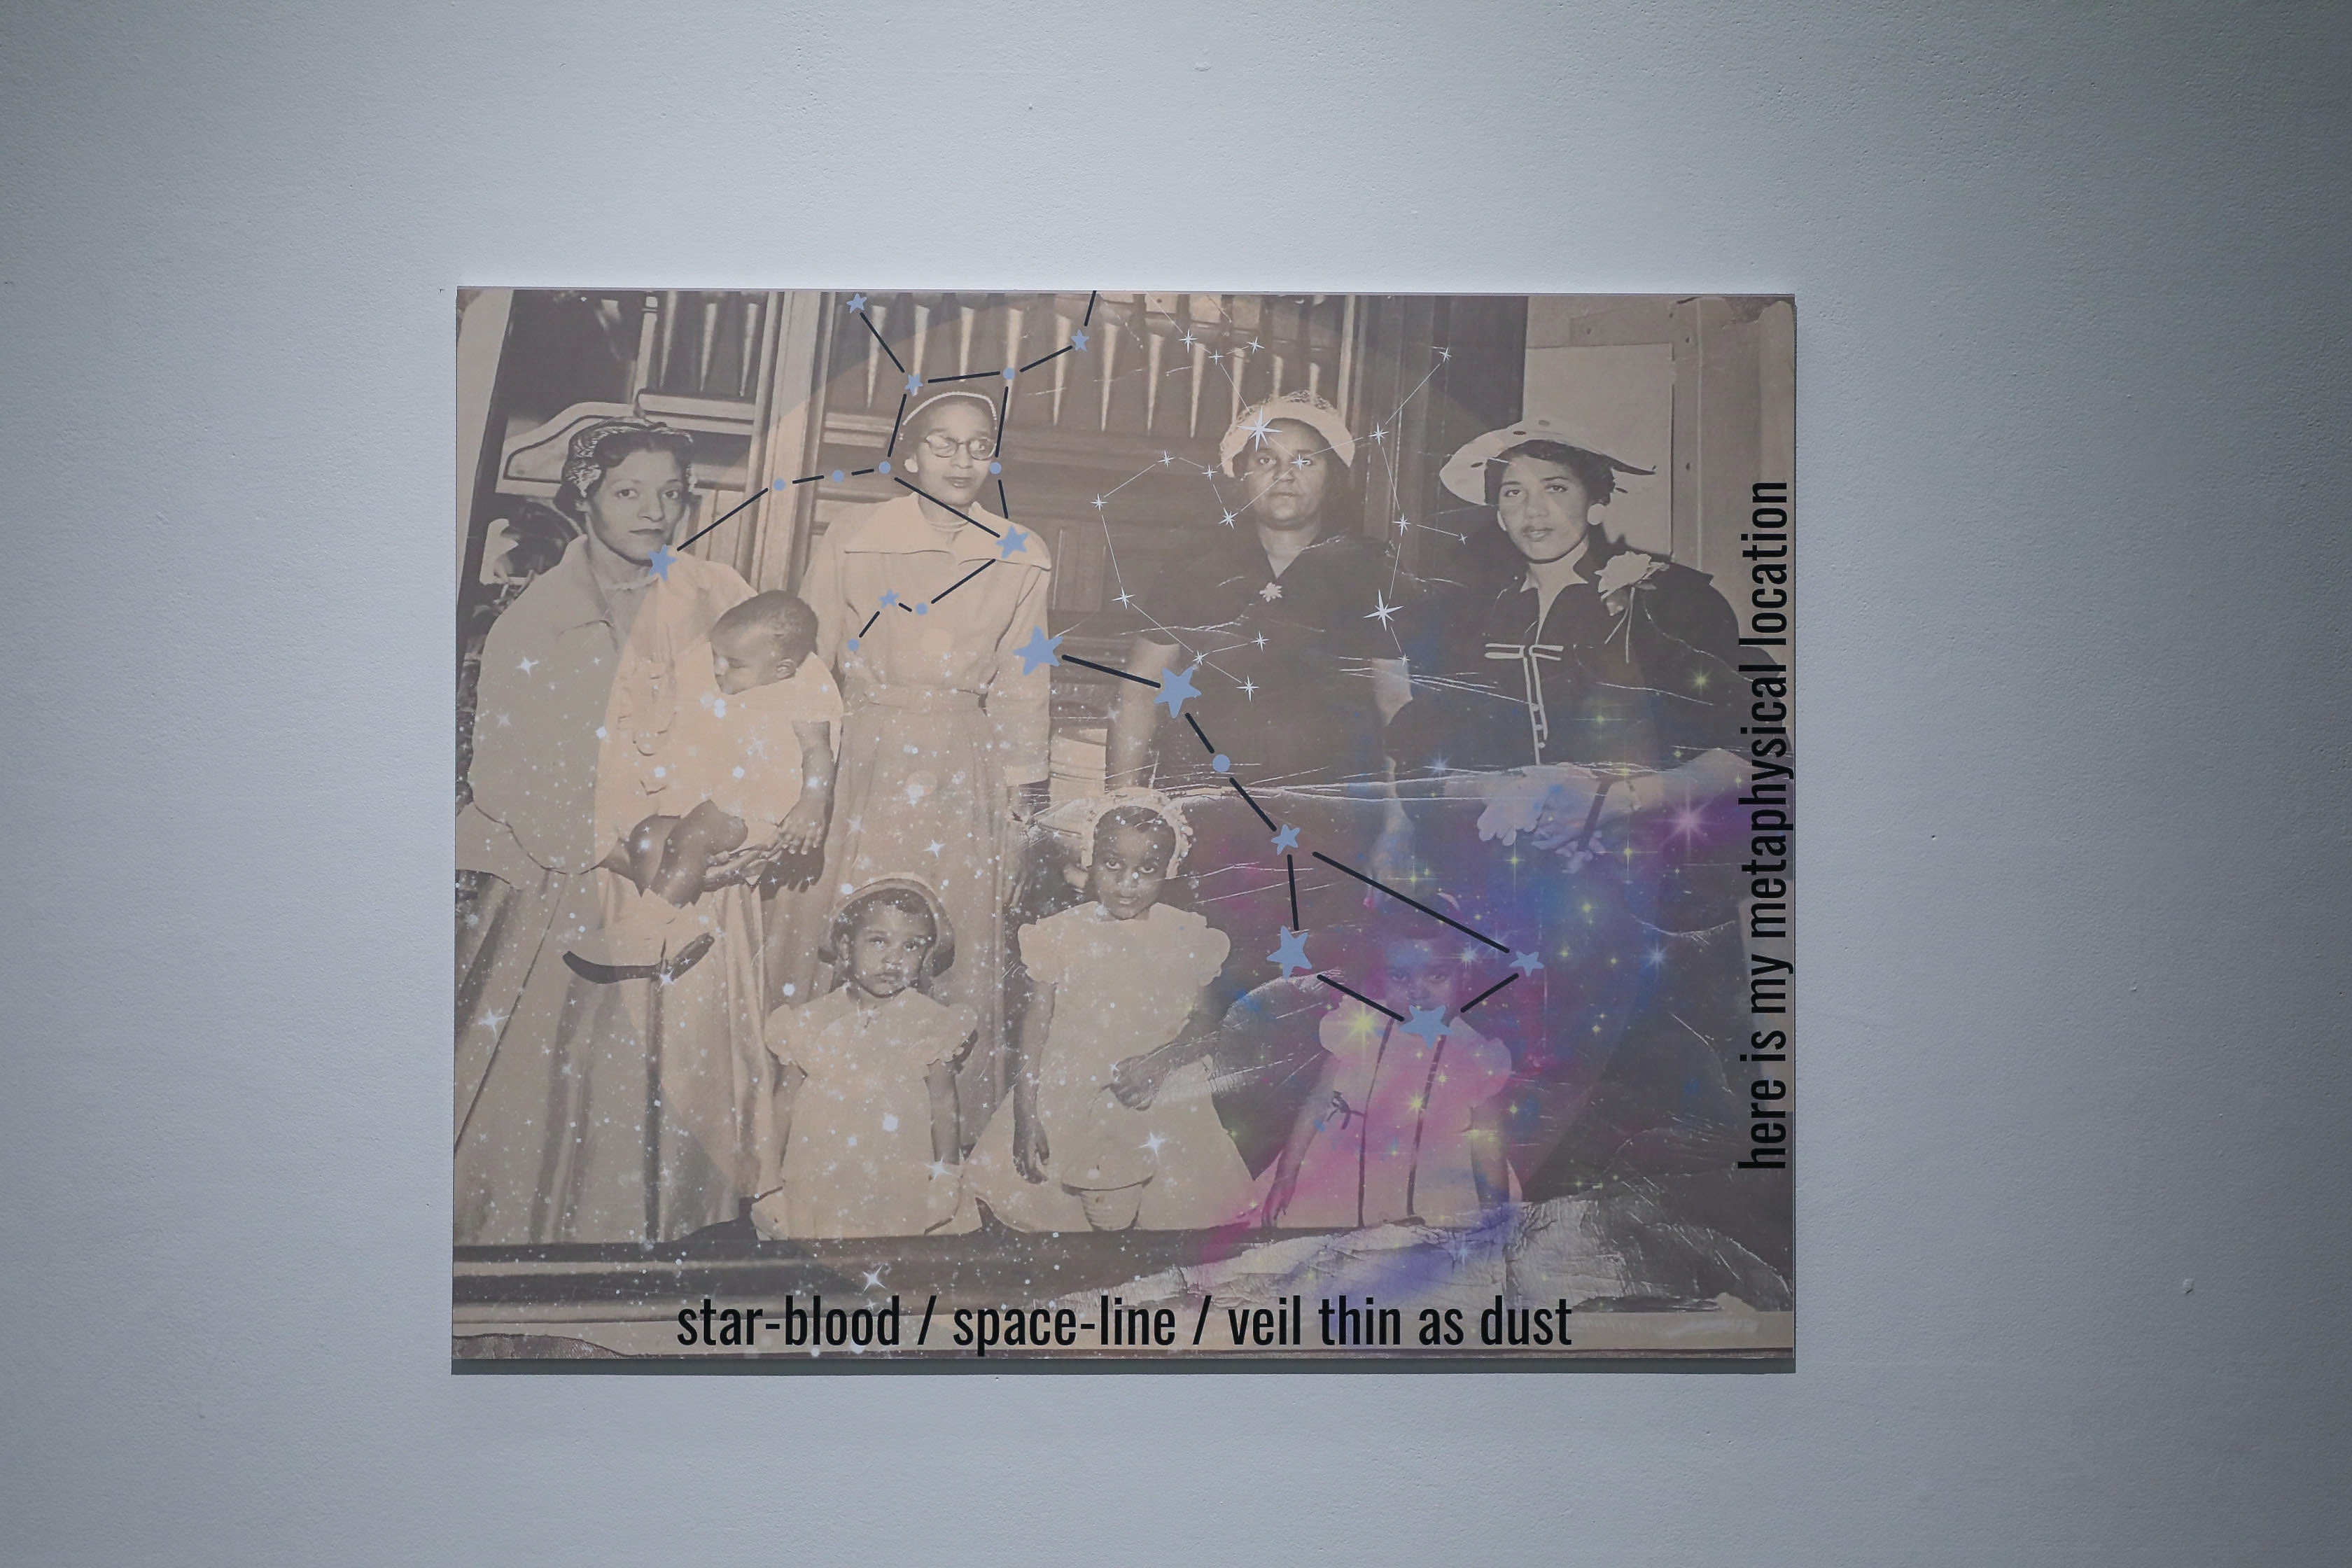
1382,609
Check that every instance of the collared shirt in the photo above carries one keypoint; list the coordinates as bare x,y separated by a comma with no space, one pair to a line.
877,580
1286,679
1652,685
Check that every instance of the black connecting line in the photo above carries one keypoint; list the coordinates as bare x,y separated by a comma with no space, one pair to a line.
869,624
1290,865
1202,734
1057,354
1262,816
883,341
1359,996
938,502
755,495
1002,504
942,594
1090,664
1091,298
1490,990
896,424
1400,897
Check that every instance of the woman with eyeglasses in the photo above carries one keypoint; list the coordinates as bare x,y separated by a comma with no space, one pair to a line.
922,604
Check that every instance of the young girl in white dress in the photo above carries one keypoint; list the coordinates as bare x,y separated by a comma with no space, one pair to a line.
1111,1126
869,1071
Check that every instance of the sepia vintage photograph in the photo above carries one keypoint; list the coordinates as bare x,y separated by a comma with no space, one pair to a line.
1123,828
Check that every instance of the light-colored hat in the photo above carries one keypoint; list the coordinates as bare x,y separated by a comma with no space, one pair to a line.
942,953
1304,407
1078,818
1464,473
931,400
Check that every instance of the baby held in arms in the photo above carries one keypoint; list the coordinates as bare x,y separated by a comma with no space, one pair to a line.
749,761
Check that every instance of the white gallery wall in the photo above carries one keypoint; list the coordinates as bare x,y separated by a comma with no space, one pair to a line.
2074,560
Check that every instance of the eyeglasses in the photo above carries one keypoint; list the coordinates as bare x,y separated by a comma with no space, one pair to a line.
939,444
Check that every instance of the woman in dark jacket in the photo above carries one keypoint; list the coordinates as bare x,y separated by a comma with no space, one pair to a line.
1576,752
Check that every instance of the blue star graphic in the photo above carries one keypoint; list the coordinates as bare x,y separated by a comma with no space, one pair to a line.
914,383
1079,341
1291,952
1040,649
856,302
1526,963
1286,840
659,562
889,597
1014,540
1175,685
1429,1023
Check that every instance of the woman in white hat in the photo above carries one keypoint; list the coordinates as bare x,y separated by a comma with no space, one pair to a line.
1277,599
1594,707
922,604
1281,609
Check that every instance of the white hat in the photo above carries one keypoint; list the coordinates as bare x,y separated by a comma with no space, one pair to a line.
1303,406
1464,473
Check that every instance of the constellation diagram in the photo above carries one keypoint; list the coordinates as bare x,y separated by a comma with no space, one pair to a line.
1174,687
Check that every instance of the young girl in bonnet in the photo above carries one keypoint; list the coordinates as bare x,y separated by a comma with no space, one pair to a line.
870,1065
1111,1125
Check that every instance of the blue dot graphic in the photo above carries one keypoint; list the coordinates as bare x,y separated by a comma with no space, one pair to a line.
1222,763
838,476
885,467
996,468
780,484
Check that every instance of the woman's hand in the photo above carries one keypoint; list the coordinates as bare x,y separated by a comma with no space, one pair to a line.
1136,1080
1515,802
1567,807
1277,1197
803,832
1030,1150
